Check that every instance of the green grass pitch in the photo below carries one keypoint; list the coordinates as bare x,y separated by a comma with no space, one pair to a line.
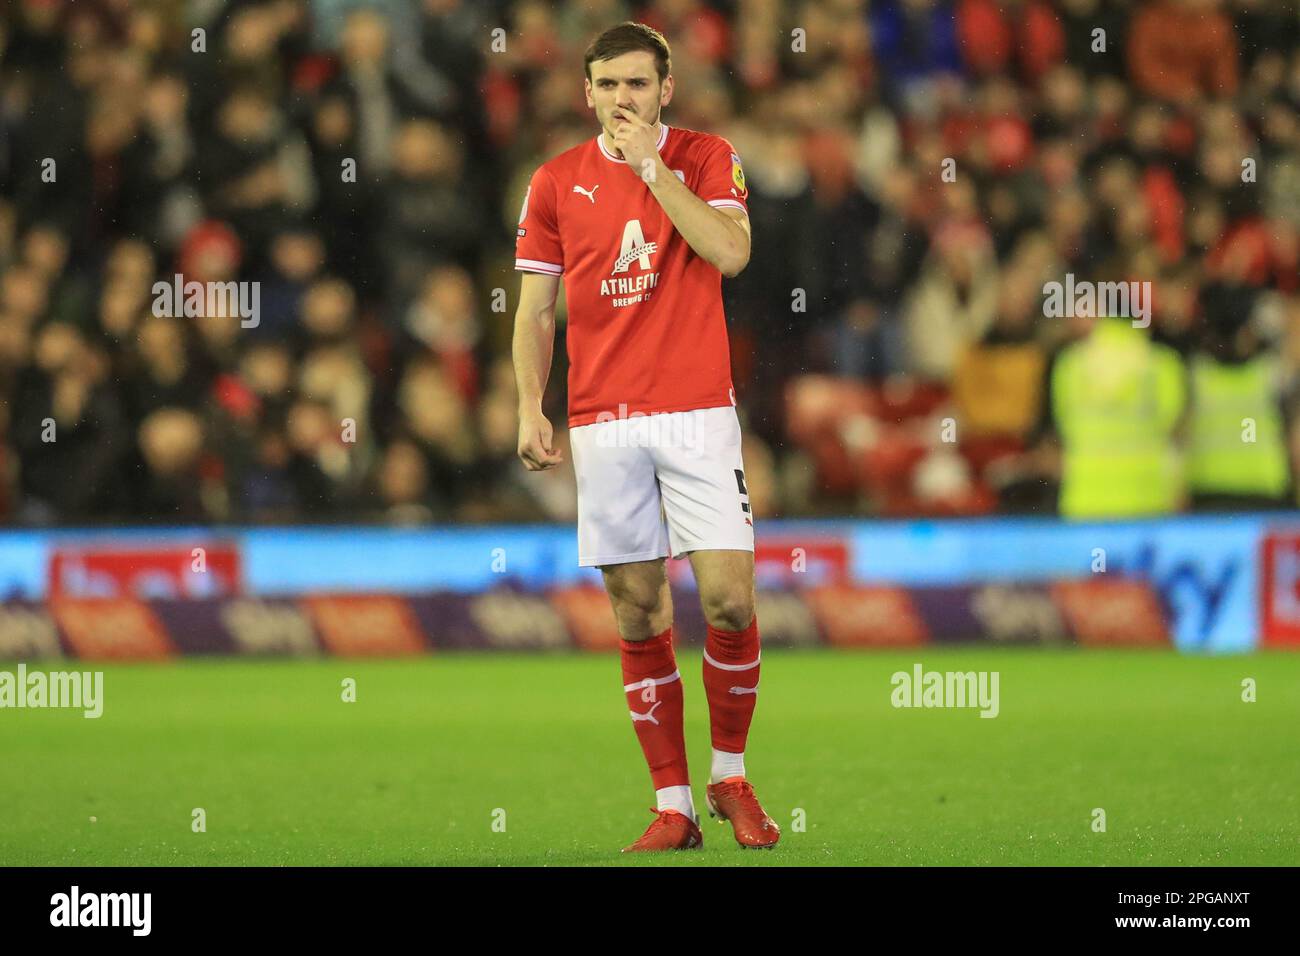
418,768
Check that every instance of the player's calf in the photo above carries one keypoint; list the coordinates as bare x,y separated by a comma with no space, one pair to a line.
732,663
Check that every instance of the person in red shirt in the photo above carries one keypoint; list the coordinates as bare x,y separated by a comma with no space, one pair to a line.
641,223
1183,50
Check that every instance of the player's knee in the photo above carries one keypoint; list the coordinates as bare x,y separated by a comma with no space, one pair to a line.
633,596
729,609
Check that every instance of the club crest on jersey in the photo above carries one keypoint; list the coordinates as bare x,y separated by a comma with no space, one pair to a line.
634,248
636,252
630,289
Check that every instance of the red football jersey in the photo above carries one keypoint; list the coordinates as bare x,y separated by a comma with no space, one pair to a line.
646,330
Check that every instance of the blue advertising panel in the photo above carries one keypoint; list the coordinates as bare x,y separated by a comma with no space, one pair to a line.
1204,569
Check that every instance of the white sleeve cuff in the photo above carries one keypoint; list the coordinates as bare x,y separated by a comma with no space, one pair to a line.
535,265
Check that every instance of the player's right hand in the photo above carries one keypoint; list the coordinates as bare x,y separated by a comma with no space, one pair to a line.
535,443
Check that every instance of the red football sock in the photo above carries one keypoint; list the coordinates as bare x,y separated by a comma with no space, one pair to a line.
731,683
654,696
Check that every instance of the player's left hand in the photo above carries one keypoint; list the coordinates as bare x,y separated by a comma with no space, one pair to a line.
635,139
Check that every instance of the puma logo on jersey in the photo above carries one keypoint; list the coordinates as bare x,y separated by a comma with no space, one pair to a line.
589,193
743,690
648,715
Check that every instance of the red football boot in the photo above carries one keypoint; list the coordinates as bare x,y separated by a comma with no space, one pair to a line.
733,799
671,830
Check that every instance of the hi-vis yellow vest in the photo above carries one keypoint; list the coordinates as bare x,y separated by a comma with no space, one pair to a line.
1231,405
1116,397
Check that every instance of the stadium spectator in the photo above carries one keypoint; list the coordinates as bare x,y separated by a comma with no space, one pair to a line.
954,300
1237,456
1181,50
1117,401
365,164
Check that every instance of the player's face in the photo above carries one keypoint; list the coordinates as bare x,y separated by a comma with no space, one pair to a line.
627,83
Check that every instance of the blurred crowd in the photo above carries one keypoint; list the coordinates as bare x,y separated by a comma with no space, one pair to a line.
918,170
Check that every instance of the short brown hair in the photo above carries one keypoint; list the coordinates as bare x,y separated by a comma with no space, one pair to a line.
628,37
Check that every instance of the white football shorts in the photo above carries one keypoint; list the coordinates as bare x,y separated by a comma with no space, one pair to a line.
651,485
